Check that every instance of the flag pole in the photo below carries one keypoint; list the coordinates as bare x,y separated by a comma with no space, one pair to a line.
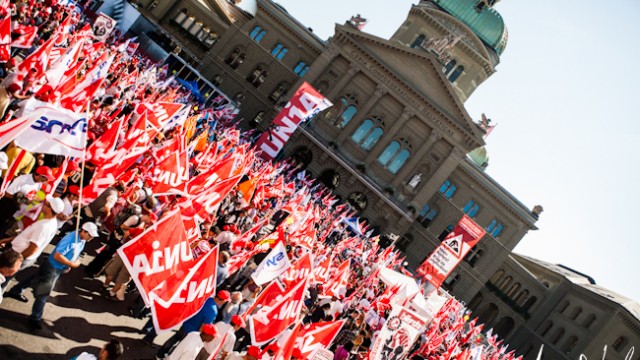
84,159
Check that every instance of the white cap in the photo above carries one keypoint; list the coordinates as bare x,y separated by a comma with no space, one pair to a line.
4,161
91,228
56,204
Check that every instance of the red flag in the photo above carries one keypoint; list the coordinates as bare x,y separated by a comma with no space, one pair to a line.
298,271
62,32
286,351
199,286
39,59
171,175
27,35
321,272
339,280
5,39
318,336
267,296
10,130
206,202
238,260
270,321
159,114
103,149
159,257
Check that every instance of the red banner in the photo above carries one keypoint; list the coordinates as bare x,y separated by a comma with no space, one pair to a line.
266,297
199,285
160,258
318,336
339,281
299,271
171,175
270,321
451,251
304,104
321,272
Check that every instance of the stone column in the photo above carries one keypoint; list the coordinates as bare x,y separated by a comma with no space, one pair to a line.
416,158
320,65
439,177
337,88
388,136
361,114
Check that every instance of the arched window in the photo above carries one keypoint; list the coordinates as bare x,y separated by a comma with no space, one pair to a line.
620,343
258,76
473,304
394,156
258,118
557,335
236,58
418,41
404,242
330,178
504,327
301,68
448,189
545,329
505,283
358,200
348,104
450,65
529,303
520,299
495,228
278,93
513,290
279,51
486,314
589,321
427,214
570,344
366,135
254,32
471,208
562,308
456,73
576,312
496,277
473,256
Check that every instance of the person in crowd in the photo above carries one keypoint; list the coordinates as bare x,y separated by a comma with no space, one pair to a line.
112,350
10,262
222,346
191,344
64,257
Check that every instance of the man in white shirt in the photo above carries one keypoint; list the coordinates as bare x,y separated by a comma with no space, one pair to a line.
191,345
32,240
253,353
222,346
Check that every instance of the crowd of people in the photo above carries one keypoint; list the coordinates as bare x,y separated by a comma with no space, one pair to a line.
58,200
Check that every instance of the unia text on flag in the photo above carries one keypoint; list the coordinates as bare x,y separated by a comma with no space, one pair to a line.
270,321
300,270
451,251
305,103
317,336
196,287
160,258
171,175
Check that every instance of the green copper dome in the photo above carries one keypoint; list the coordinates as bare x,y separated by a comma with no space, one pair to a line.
487,23
479,156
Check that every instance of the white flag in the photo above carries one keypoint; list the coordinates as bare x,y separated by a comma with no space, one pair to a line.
54,131
274,265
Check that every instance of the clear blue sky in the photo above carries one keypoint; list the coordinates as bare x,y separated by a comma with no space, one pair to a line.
564,97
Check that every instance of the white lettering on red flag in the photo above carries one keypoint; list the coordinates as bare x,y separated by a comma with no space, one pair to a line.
300,270
197,287
159,256
318,336
270,321
304,104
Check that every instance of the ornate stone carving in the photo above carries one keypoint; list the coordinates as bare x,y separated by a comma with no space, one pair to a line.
442,47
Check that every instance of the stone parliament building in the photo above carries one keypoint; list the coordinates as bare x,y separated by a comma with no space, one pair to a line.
399,146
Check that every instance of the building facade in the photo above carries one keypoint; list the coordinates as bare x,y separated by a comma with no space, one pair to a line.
399,146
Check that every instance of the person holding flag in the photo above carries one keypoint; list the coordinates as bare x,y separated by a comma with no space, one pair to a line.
63,258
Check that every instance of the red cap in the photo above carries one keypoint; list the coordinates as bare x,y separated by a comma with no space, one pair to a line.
209,329
73,166
73,189
272,347
254,351
237,320
224,295
46,172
